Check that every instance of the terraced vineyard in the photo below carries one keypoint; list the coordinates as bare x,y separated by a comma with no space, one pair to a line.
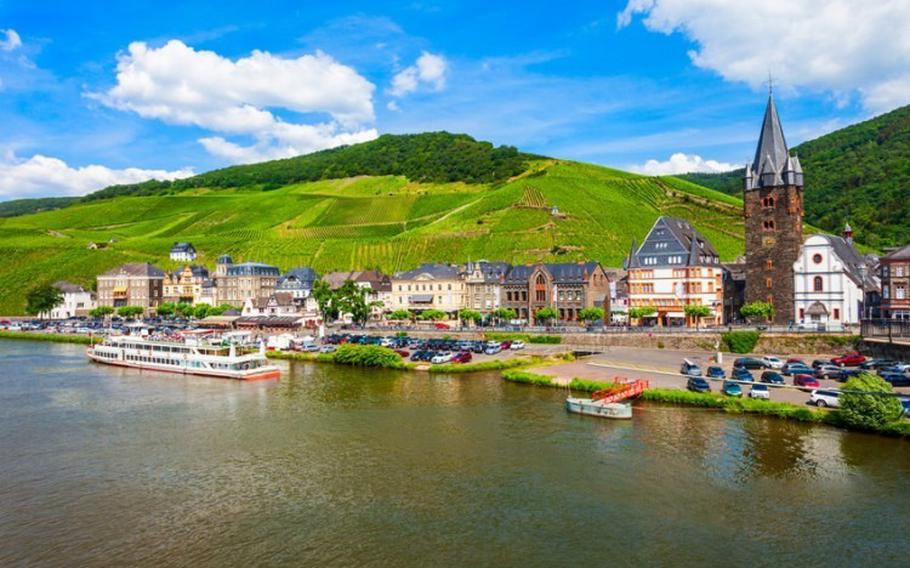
385,222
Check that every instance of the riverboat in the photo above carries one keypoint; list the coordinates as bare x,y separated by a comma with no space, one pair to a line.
188,357
608,402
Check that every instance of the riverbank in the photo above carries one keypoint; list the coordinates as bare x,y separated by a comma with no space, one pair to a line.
728,404
50,337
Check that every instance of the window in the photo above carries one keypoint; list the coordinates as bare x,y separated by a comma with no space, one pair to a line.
767,202
769,265
769,283
837,313
818,284
540,288
768,225
886,292
899,271
802,314
900,293
817,258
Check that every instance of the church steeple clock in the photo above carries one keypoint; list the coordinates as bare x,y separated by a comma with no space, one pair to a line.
773,207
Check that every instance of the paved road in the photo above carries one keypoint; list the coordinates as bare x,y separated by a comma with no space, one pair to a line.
661,368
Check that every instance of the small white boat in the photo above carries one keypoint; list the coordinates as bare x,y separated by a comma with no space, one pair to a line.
588,407
189,357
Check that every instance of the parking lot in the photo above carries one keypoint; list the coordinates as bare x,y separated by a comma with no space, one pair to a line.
662,368
441,350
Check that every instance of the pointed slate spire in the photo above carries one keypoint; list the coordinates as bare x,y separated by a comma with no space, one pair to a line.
632,261
771,155
694,252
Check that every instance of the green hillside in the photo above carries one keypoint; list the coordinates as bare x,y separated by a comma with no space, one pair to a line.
388,222
859,174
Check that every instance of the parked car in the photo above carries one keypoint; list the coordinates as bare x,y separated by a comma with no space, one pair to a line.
441,326
895,368
873,364
441,358
505,345
690,368
825,398
462,357
820,363
493,350
905,402
518,344
896,379
309,348
795,360
698,384
732,389
798,368
759,390
849,360
772,362
328,349
749,363
805,380
716,373
403,352
829,372
742,374
772,378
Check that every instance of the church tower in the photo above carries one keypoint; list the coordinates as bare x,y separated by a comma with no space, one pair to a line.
773,207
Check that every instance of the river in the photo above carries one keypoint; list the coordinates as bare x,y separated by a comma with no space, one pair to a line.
332,466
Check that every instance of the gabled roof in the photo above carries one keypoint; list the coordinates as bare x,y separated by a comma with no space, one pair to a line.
136,269
519,274
690,244
378,281
183,247
432,271
303,277
856,265
68,287
491,272
902,253
571,272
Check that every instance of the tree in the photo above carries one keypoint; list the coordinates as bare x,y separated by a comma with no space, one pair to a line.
470,316
42,299
696,312
202,311
326,300
101,311
639,312
546,314
869,411
507,314
165,309
351,298
130,311
758,310
591,315
400,315
184,309
432,315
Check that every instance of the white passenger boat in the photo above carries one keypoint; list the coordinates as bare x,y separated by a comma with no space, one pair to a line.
190,358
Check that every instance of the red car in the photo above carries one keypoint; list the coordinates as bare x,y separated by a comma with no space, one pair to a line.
505,345
462,357
848,360
795,360
403,352
441,326
807,381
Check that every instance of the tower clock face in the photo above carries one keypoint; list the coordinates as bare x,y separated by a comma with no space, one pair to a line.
768,241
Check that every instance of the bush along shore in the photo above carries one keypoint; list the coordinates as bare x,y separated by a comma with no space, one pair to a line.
890,425
526,337
52,337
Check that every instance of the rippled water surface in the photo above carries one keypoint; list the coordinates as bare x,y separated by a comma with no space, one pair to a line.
330,466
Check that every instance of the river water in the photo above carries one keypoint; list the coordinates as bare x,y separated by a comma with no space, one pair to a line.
332,466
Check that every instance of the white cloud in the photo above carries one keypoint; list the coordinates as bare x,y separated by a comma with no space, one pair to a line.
680,163
429,70
839,46
42,176
180,85
12,41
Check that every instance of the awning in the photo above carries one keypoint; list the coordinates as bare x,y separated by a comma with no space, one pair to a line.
120,290
675,315
421,299
817,309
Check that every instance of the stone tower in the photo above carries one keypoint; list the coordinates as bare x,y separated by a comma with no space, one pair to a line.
773,207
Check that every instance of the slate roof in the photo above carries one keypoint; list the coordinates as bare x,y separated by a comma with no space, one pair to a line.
562,273
298,278
136,269
435,271
492,272
378,281
225,259
281,299
183,247
68,287
519,274
687,243
199,271
253,269
902,253
772,165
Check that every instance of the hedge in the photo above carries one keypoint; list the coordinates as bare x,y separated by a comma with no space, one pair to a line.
739,341
526,337
51,337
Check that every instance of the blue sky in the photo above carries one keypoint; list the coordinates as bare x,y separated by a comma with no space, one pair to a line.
93,93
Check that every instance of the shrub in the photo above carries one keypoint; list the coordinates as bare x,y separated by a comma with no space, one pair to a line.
586,385
866,410
528,378
496,365
368,356
51,337
548,339
739,341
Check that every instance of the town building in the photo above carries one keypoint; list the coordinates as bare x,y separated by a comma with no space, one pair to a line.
185,285
894,272
245,281
483,284
77,302
183,252
298,282
619,295
734,290
208,293
278,304
135,284
773,208
833,281
676,266
429,286
566,287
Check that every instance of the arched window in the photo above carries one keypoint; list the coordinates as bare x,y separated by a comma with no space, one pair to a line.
767,202
818,284
540,288
768,225
769,265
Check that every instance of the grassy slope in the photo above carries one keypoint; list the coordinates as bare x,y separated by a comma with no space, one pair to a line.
365,222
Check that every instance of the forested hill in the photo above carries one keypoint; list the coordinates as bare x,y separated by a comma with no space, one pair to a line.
859,174
432,157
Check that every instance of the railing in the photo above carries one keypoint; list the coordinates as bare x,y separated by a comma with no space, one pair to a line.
886,328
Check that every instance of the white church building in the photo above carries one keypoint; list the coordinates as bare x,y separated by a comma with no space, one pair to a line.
831,280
